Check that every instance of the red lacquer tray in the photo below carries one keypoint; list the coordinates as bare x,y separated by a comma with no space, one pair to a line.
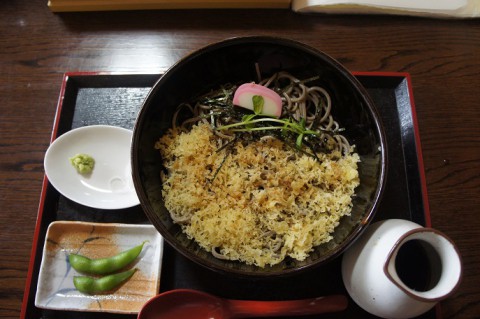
90,98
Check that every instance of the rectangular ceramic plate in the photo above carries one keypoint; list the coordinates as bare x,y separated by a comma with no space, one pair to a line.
55,289
115,99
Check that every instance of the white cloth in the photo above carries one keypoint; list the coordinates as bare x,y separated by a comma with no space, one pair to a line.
427,8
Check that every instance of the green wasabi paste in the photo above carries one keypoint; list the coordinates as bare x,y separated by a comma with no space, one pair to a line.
83,163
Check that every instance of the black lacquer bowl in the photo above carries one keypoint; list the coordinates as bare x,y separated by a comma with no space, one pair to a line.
233,61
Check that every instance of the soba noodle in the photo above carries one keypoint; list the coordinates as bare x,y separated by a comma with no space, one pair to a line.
258,194
300,101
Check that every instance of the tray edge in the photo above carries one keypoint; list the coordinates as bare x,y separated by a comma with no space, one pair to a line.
59,107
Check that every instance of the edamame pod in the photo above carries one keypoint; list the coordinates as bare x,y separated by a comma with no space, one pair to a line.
102,266
89,285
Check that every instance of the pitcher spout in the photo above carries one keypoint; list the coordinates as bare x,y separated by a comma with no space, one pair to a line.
425,265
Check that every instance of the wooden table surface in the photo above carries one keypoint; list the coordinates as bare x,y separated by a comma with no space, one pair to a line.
38,46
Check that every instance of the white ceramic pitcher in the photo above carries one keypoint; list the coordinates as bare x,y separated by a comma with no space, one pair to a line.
399,269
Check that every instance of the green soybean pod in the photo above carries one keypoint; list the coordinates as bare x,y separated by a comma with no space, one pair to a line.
90,285
103,266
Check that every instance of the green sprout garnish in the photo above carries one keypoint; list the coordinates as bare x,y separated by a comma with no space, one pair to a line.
258,103
256,122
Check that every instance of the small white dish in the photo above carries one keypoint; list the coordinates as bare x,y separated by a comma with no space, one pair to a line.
110,184
55,289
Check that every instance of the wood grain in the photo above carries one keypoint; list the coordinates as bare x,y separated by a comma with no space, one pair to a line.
37,47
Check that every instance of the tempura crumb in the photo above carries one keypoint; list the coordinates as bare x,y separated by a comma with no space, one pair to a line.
259,203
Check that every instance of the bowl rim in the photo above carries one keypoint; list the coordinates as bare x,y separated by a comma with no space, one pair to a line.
274,40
